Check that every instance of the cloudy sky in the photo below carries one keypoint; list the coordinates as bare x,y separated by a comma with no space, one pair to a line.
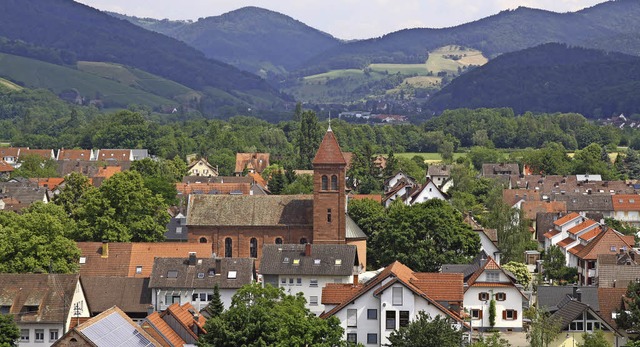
345,19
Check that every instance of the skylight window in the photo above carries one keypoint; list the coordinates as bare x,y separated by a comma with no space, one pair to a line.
232,274
285,260
316,261
200,275
296,261
83,260
172,274
338,261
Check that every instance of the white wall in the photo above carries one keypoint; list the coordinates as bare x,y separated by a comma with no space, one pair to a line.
513,302
158,297
32,334
308,291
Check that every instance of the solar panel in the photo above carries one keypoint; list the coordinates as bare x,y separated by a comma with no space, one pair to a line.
114,331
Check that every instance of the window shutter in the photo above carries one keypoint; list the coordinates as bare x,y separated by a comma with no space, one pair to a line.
515,314
504,314
480,296
480,315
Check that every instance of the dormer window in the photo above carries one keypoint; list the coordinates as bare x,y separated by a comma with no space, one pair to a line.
296,262
338,262
172,274
316,261
232,275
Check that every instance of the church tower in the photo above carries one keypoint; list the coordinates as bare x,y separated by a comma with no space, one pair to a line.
329,198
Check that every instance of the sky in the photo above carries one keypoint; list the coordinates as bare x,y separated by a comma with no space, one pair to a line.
344,19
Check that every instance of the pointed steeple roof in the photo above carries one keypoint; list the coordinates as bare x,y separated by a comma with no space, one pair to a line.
329,151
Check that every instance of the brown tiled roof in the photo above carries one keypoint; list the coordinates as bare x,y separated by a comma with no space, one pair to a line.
576,249
44,153
116,264
184,315
337,293
5,167
584,203
213,188
512,196
256,161
217,179
439,170
132,295
257,178
74,154
114,154
108,171
566,219
245,210
532,208
551,233
611,301
205,274
497,169
591,234
565,242
10,151
374,197
440,286
144,253
602,244
47,292
161,331
629,202
348,157
329,151
582,226
51,183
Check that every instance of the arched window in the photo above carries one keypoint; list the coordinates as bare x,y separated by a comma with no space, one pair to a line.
228,245
203,240
328,215
253,248
334,182
303,241
325,182
278,241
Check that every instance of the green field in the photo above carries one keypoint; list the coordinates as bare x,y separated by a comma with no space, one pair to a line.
428,157
8,85
36,74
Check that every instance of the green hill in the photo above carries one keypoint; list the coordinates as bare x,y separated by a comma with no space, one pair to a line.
250,38
549,78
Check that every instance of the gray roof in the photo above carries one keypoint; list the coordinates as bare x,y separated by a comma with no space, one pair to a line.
551,296
25,192
217,179
467,269
353,230
500,169
581,202
282,259
176,222
544,223
132,295
205,274
267,210
439,170
569,312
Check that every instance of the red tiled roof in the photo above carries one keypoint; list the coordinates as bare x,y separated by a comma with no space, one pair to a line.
584,225
626,202
143,254
576,249
591,234
218,188
162,332
51,183
565,242
255,161
114,154
532,208
491,284
44,153
258,179
571,216
337,293
108,171
551,233
603,243
5,167
329,151
10,151
512,196
74,154
374,197
440,286
610,300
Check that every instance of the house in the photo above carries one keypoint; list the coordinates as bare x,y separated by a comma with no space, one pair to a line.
502,169
427,191
439,174
369,312
214,188
177,229
393,182
484,281
21,194
488,238
617,270
10,154
131,295
608,241
114,155
177,326
515,197
75,155
191,280
201,167
110,328
252,162
402,191
217,179
5,169
583,204
308,268
43,305
42,153
626,208
531,209
131,259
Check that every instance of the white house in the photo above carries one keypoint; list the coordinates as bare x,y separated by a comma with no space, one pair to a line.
43,305
370,312
309,268
191,280
428,191
201,167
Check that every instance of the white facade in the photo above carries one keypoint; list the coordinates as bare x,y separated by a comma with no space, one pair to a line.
394,180
161,299
488,246
508,299
428,192
309,285
400,194
631,217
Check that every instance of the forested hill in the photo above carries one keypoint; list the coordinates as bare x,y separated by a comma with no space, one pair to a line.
611,25
95,36
251,38
549,78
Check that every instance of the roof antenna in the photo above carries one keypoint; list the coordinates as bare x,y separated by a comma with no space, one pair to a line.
329,121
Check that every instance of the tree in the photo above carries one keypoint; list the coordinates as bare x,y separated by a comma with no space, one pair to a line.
75,186
37,240
391,165
492,312
268,317
544,328
215,307
595,339
303,184
554,265
494,340
523,276
9,331
629,317
364,175
423,236
426,332
309,137
123,209
33,165
445,149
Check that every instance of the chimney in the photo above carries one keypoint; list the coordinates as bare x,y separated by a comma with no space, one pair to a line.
577,293
307,250
192,258
105,249
355,279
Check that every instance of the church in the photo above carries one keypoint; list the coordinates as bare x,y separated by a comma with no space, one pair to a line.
240,225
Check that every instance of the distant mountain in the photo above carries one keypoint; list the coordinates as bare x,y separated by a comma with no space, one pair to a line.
95,36
611,25
250,38
549,78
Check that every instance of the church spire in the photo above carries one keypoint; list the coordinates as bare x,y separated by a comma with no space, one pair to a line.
329,151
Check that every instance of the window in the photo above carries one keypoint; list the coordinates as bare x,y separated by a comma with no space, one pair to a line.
83,260
203,240
291,281
285,260
313,300
172,299
4,309
212,272
372,313
253,248
303,241
228,244
283,281
501,296
313,282
397,296
391,320
39,335
200,275
325,182
352,337
232,275
178,230
334,182
328,215
278,241
404,318
296,261
24,335
613,248
338,262
509,314
484,296
53,334
172,274
476,314
352,317
493,276
372,339
298,281
316,261
138,269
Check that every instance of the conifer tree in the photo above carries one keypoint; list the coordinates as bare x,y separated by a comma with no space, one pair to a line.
215,306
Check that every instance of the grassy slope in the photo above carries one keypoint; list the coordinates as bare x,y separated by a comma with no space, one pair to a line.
8,85
37,74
